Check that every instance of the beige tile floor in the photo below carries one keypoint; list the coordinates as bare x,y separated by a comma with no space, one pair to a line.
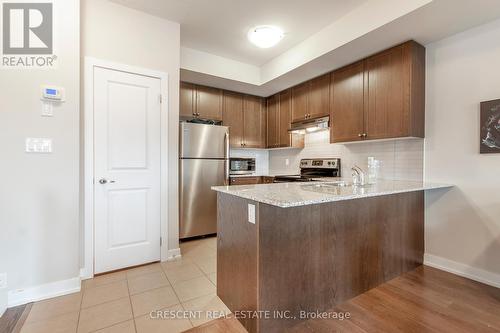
122,302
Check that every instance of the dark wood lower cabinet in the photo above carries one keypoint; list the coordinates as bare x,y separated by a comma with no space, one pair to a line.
312,258
267,179
250,180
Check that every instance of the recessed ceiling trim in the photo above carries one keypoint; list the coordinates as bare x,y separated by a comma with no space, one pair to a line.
213,65
360,21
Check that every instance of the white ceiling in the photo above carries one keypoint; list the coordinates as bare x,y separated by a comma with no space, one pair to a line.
322,35
220,26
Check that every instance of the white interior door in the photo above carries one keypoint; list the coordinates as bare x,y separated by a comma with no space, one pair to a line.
127,184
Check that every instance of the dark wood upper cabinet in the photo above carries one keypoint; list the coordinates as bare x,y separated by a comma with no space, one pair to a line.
209,103
380,97
285,108
254,122
392,98
318,102
279,108
245,117
347,118
233,117
311,99
387,104
299,101
395,93
186,100
273,136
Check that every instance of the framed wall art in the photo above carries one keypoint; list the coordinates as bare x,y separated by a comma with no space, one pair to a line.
490,127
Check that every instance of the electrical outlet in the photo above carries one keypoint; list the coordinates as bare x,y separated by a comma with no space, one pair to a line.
3,280
251,213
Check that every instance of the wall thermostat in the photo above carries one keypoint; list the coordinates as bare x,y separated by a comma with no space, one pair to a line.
50,93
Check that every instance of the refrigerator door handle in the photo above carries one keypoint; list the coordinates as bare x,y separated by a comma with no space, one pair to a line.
226,172
226,161
226,150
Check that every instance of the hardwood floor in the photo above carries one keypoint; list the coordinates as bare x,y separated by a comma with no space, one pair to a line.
14,318
423,300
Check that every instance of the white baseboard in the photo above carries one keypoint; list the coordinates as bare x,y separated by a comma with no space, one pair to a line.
3,301
463,270
173,254
86,273
49,290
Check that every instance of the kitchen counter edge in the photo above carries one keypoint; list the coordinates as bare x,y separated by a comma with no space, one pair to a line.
276,194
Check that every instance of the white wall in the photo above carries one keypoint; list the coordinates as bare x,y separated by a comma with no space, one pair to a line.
400,159
115,33
463,225
39,193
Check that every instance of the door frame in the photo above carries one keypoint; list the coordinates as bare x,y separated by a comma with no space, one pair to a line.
87,271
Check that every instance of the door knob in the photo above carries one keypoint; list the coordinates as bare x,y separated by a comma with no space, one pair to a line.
103,181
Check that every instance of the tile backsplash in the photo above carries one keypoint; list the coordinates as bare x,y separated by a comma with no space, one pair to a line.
400,159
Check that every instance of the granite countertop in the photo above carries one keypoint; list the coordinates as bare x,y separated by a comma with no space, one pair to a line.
308,193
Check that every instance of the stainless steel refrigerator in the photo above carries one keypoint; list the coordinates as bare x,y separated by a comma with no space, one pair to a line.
204,162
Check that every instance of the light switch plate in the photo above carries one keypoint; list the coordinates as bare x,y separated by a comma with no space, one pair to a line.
3,280
47,109
38,145
251,213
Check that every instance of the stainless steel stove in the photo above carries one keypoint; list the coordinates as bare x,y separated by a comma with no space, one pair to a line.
313,170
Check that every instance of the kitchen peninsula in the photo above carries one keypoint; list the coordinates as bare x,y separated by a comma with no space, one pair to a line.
287,248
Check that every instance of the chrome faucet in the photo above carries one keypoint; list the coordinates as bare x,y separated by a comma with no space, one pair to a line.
358,175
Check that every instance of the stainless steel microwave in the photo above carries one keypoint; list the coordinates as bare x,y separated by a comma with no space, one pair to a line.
241,166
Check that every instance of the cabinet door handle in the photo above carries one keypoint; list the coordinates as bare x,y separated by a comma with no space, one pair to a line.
365,135
360,135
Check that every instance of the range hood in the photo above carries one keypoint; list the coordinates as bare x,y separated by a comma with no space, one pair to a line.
310,125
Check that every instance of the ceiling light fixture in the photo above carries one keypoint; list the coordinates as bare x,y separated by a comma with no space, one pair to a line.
265,36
